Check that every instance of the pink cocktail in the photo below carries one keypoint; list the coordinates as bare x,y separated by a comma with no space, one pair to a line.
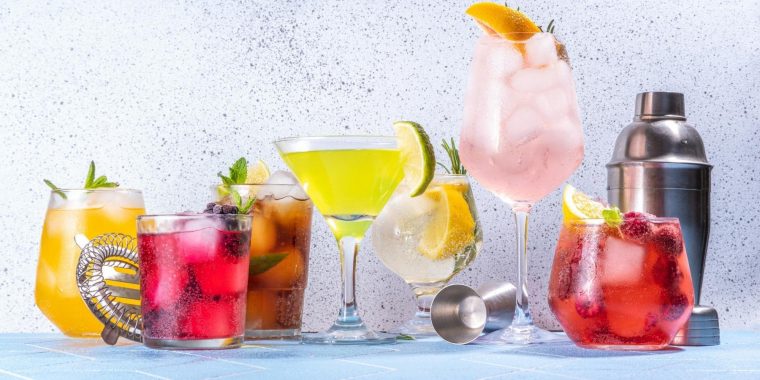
621,288
193,279
521,138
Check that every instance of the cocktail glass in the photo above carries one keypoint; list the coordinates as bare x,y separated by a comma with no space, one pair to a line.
612,291
408,238
90,213
280,239
521,139
349,179
193,279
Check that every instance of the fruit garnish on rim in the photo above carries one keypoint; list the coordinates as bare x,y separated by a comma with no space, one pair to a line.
577,205
91,182
241,173
417,155
498,19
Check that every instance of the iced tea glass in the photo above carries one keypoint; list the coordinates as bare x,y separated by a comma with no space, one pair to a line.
281,235
613,291
193,279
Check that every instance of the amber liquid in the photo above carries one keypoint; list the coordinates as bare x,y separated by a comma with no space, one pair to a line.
275,297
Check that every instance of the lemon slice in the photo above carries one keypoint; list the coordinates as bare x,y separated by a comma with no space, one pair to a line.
496,18
257,173
416,154
576,205
451,227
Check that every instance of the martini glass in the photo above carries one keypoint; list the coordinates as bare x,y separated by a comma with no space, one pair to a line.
521,139
349,179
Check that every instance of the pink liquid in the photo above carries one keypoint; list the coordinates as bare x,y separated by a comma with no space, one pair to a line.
193,284
610,291
522,134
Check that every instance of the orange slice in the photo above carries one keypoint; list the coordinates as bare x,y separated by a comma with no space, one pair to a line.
496,18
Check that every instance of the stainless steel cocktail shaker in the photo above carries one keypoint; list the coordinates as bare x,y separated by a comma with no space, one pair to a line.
659,166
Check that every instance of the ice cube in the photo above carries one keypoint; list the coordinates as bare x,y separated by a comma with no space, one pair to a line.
522,127
540,50
552,103
200,239
494,57
274,185
623,263
535,79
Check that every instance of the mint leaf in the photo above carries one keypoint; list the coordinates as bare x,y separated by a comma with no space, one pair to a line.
261,264
55,189
404,337
245,209
612,216
239,171
90,176
227,181
236,198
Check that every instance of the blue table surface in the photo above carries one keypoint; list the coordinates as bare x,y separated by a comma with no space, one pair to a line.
53,356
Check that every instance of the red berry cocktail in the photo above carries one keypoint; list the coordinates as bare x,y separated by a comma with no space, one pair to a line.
193,279
624,285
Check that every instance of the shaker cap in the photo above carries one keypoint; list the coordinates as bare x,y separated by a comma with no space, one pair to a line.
658,105
659,133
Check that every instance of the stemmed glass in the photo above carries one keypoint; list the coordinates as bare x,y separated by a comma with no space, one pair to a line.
349,179
407,237
521,139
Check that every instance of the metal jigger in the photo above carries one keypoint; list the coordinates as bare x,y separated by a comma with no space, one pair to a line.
659,166
460,314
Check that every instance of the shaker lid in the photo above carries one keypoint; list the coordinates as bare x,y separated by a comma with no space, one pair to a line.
659,105
659,133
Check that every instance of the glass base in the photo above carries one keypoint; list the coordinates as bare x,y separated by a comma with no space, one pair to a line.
194,344
417,327
521,335
283,334
348,335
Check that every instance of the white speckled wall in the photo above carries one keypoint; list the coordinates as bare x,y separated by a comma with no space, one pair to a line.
162,96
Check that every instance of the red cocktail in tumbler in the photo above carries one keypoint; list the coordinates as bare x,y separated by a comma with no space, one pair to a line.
623,286
193,279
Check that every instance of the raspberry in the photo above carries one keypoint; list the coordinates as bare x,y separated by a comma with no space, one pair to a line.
667,240
651,322
588,306
674,306
666,272
635,226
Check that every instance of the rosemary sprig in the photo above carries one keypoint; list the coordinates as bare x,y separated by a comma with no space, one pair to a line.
453,153
549,28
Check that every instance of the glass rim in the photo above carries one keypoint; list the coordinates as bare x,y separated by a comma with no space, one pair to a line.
597,221
504,36
191,216
100,189
254,184
334,137
336,142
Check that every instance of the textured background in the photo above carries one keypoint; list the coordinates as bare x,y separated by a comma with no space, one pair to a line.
162,96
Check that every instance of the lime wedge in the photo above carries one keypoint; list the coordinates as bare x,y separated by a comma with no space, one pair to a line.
257,173
417,155
576,205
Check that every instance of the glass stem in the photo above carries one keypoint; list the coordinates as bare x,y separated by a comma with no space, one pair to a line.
424,297
522,319
348,315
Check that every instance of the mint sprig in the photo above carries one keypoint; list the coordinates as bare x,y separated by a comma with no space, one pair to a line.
55,189
612,216
238,173
238,200
90,182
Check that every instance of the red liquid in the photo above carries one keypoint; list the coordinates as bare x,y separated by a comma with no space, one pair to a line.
610,291
193,283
